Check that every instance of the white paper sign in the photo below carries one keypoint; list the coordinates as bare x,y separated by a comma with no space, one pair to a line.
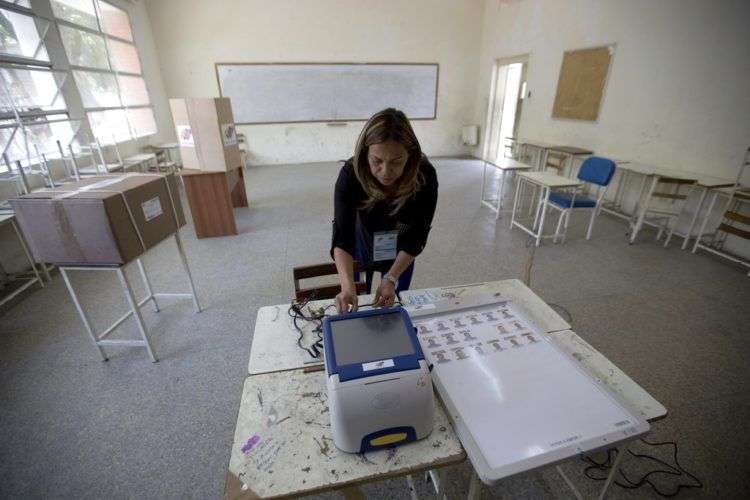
229,134
185,136
151,208
377,365
385,245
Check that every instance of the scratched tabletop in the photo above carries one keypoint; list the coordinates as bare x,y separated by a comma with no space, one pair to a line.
275,339
283,444
275,346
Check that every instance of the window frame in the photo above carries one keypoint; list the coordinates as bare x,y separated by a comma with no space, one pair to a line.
134,134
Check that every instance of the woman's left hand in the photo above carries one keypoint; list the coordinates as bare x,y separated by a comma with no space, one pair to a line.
385,295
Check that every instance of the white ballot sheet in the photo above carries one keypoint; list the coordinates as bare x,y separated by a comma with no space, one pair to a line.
517,400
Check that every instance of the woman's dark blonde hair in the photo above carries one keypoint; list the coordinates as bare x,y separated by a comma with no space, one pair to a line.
388,125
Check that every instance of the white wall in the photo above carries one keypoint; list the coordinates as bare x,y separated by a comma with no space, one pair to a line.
192,35
678,90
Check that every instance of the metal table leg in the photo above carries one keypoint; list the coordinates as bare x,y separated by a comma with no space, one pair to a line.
183,258
147,285
642,208
82,314
26,252
546,191
136,311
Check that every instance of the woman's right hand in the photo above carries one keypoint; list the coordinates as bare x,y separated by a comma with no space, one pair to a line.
346,300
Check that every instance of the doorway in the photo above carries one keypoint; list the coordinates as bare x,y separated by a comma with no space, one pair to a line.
507,92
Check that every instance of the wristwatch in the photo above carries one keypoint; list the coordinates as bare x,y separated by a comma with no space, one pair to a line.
389,277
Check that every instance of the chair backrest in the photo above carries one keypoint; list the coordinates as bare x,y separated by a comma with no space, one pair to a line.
597,170
556,161
324,291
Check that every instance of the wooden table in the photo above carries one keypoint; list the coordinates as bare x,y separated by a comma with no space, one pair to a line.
504,165
541,146
212,197
547,181
571,152
282,443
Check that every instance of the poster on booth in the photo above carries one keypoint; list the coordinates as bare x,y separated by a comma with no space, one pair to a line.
185,136
229,134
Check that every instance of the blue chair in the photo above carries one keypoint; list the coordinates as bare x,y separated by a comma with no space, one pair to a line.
594,170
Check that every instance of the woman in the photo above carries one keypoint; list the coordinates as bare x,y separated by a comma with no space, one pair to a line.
384,202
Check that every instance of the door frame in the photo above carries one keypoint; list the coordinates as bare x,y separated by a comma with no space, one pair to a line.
489,112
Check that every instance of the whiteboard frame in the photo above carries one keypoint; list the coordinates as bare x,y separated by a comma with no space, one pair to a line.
338,120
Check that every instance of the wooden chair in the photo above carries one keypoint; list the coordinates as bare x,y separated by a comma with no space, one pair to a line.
323,291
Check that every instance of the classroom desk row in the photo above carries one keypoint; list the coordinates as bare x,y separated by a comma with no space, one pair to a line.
283,444
628,174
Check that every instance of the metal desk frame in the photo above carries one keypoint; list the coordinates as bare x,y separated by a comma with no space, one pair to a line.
11,219
99,339
507,164
546,188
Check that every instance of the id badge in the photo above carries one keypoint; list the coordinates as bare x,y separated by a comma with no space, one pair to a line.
384,245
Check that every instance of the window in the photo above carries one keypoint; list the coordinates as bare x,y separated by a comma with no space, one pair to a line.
33,112
99,43
22,35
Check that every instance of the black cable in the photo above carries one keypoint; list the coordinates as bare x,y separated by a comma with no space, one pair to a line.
672,470
296,312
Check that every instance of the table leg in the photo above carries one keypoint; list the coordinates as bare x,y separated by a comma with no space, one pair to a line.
515,201
147,284
484,174
545,190
642,208
474,486
613,471
81,313
704,192
136,311
500,194
412,488
705,220
25,248
183,258
538,209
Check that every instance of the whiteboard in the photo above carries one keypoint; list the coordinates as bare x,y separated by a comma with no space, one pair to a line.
327,92
517,401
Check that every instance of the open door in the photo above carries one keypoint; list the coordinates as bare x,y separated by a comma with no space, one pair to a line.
507,90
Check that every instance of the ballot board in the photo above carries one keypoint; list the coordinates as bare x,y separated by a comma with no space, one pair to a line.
517,400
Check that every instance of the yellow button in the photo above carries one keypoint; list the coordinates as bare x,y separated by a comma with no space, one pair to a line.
388,439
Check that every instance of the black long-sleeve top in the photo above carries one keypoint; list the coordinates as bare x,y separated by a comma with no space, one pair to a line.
354,227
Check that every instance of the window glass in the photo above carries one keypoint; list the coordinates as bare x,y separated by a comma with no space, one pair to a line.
142,121
98,90
84,48
115,21
79,12
19,36
124,56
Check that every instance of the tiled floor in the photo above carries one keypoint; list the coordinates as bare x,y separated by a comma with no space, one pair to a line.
72,426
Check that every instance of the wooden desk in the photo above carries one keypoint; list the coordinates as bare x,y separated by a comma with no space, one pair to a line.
547,181
283,445
572,150
504,165
283,425
212,197
541,147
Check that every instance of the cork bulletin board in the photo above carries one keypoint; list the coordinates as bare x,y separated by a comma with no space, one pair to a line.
580,87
